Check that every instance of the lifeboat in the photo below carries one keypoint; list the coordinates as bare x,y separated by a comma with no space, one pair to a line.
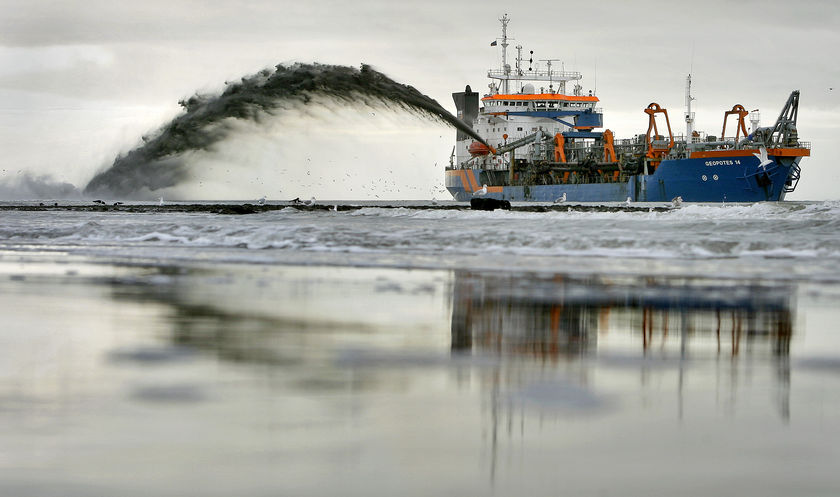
478,148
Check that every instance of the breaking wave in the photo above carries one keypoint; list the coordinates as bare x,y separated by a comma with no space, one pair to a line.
761,233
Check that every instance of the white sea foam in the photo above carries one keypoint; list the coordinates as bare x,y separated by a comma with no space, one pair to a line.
801,233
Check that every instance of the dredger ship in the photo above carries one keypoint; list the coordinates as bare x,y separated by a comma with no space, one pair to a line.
543,143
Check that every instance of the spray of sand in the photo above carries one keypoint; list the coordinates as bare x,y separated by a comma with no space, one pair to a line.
159,162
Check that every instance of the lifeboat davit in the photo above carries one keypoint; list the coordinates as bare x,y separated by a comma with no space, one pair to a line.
478,148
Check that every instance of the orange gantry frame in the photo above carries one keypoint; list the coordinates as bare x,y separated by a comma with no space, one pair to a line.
559,144
657,152
609,149
740,127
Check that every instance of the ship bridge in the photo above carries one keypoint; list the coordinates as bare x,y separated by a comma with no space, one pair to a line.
575,112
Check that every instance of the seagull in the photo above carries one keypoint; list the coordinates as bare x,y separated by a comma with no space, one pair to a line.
762,157
335,208
562,198
482,191
100,202
160,200
311,201
261,200
628,201
676,202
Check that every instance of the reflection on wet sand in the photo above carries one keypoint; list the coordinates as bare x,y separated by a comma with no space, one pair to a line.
561,319
654,326
579,324
576,322
563,316
308,380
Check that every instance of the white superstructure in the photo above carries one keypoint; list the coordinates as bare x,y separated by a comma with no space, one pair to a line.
522,101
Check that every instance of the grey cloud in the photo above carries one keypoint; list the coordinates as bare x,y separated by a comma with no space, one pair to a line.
102,21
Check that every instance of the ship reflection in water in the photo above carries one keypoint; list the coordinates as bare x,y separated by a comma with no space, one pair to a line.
561,316
589,326
257,380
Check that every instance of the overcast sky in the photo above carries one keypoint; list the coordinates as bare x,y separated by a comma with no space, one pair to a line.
81,80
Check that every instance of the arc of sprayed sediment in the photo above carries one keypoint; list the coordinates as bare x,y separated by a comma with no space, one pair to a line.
157,163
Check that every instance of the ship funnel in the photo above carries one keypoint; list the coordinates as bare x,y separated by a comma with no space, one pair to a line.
466,103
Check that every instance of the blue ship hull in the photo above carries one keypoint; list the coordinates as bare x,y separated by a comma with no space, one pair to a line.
719,179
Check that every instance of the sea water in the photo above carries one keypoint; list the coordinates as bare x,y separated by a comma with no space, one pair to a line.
415,351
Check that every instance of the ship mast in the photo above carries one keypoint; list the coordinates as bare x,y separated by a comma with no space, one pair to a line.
689,116
505,74
505,67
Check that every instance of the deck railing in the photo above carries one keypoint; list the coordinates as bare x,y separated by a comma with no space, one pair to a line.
535,75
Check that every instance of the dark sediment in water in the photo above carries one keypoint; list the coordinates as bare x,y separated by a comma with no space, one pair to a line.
159,162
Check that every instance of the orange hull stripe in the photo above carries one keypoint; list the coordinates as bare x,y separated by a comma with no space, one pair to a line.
464,181
473,181
495,189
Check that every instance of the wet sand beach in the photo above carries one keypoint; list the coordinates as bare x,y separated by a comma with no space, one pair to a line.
161,363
